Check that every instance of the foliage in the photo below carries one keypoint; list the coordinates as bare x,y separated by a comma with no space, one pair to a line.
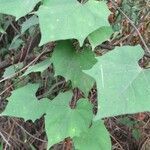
32,21
12,70
22,102
96,40
17,8
122,86
70,64
96,133
68,19
121,81
75,121
40,67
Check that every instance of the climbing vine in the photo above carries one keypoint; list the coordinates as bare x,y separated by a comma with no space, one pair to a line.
56,83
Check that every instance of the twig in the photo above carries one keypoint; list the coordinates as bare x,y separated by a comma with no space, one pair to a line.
28,132
32,42
24,68
147,51
8,62
3,137
17,31
10,86
22,55
6,89
9,136
51,89
116,141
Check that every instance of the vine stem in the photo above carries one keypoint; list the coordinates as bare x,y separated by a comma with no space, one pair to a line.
147,51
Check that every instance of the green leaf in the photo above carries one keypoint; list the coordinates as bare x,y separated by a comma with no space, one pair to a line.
24,104
69,63
12,70
95,138
29,23
39,67
123,87
61,121
1,147
127,122
100,35
16,42
136,134
17,8
69,19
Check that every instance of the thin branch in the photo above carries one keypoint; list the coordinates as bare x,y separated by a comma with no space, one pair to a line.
6,89
26,67
147,50
28,132
5,140
6,63
17,31
51,89
116,141
22,55
9,136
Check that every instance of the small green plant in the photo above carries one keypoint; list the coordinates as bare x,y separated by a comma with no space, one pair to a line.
123,87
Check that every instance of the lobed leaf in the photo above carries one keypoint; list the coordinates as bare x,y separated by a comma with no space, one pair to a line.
61,121
100,35
69,63
96,138
23,103
17,8
64,19
123,87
